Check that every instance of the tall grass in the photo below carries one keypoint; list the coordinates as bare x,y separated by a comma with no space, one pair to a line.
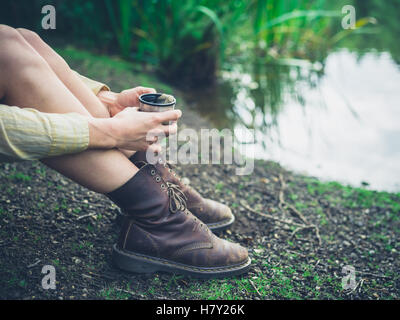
187,41
295,28
121,24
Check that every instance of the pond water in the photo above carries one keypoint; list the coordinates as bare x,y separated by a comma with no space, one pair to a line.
338,121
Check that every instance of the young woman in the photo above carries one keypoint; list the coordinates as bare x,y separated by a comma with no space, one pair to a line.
51,113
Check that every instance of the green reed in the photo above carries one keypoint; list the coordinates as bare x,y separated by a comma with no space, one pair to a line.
188,41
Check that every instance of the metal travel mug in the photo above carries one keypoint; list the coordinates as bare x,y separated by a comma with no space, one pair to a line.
156,102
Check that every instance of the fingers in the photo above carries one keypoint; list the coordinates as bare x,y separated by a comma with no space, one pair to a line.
170,129
130,97
162,131
152,138
155,148
136,92
167,116
143,90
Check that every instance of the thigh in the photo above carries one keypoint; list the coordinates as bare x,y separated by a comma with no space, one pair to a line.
60,67
28,81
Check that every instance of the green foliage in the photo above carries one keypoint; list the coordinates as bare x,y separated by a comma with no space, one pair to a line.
111,293
187,41
121,24
219,186
112,70
19,176
356,197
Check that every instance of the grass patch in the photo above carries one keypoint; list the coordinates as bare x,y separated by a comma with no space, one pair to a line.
351,197
116,73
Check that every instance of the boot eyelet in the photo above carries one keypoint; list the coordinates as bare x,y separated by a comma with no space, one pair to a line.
162,186
158,179
152,172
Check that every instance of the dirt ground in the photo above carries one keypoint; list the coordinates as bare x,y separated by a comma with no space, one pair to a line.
300,233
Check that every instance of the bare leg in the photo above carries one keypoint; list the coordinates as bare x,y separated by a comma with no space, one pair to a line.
68,77
32,83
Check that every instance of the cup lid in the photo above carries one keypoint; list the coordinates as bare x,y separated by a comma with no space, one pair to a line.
149,98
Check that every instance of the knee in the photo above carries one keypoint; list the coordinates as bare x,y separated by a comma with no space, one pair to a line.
9,34
10,43
30,36
50,56
15,51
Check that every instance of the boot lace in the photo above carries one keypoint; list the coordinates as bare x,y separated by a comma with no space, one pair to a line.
177,199
177,202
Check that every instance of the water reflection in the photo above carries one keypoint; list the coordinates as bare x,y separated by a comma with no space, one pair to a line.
340,124
337,119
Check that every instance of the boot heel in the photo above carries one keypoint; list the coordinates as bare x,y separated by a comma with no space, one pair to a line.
131,263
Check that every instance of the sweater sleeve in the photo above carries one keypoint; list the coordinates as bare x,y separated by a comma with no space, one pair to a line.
27,134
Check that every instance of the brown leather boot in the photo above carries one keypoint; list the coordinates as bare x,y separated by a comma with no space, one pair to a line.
160,234
216,215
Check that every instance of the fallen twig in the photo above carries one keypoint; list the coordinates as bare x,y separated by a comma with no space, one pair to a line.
305,227
281,194
361,272
268,216
126,291
298,225
255,288
283,205
34,264
373,274
297,213
317,234
86,215
360,286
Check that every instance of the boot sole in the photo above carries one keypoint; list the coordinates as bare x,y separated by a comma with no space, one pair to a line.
221,225
140,263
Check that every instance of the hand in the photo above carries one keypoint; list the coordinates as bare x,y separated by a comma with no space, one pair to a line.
116,102
130,97
132,130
